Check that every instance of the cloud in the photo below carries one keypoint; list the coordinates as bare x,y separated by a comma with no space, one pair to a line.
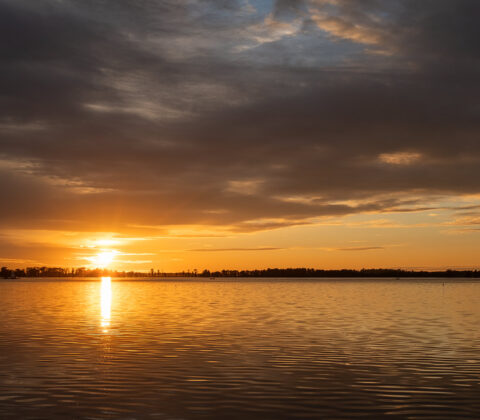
234,249
471,220
117,114
400,158
365,248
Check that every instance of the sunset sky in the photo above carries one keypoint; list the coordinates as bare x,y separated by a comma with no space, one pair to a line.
192,134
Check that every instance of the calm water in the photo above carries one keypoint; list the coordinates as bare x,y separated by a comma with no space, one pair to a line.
239,349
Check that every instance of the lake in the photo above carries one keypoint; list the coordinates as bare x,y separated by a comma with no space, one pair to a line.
239,349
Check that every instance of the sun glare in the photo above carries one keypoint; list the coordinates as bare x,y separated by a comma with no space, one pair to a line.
104,258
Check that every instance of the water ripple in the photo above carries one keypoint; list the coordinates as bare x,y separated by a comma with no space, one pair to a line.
239,349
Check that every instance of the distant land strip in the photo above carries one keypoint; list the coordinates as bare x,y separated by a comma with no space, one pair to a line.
7,273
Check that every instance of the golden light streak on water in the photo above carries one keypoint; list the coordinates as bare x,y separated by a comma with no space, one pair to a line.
106,302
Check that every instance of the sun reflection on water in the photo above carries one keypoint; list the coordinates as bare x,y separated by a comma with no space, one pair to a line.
106,302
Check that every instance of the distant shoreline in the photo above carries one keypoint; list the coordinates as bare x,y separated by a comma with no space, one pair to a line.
310,273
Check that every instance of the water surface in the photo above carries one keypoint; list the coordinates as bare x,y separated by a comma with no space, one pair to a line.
247,349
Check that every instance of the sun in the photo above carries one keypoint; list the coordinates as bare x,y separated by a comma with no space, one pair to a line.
104,258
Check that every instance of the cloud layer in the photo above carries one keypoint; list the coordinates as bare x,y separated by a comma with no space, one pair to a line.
250,115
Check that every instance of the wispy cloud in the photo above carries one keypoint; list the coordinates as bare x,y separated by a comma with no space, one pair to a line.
235,249
360,248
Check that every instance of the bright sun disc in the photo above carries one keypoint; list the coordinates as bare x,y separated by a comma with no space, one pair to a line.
104,258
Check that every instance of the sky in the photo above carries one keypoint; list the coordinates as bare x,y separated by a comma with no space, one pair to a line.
240,134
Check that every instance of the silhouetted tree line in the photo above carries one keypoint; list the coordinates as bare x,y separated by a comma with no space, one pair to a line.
66,272
365,272
269,272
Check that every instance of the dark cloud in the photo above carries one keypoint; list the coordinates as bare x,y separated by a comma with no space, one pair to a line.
288,8
115,113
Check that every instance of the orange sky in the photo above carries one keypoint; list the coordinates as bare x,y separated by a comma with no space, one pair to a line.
429,239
